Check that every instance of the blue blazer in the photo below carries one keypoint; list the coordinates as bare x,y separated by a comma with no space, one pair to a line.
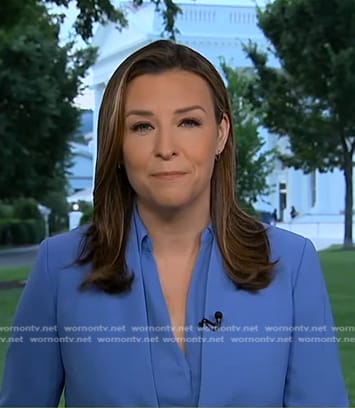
292,359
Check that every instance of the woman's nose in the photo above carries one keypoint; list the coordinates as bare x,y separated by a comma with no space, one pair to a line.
164,144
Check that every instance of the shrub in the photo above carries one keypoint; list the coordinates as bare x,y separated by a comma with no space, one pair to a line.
21,232
35,231
265,217
6,210
87,215
5,232
26,209
58,218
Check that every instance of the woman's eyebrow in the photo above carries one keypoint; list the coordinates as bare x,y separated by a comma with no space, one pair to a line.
140,112
190,108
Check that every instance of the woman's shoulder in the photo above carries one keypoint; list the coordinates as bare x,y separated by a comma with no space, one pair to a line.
288,246
295,254
71,237
67,246
282,240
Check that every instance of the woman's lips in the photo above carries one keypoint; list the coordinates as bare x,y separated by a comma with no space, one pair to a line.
169,175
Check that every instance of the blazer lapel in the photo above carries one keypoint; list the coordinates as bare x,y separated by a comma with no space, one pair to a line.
218,353
133,305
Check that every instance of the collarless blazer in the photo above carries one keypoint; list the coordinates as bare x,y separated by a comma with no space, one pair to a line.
275,348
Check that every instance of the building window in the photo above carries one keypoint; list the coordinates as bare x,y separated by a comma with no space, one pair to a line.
313,184
282,199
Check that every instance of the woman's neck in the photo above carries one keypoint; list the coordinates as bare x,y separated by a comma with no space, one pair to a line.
175,232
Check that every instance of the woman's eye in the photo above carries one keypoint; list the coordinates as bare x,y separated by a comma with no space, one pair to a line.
190,123
141,127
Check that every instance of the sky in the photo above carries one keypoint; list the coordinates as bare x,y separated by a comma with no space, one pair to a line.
86,99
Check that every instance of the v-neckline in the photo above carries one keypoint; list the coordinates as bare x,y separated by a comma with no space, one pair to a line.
165,309
184,364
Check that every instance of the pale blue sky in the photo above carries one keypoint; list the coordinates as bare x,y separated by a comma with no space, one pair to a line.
86,100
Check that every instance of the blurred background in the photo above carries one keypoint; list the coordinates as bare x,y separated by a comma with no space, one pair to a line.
289,67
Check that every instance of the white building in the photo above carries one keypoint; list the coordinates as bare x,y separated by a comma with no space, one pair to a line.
218,28
80,174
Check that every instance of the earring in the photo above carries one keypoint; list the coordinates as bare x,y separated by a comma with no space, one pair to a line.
218,156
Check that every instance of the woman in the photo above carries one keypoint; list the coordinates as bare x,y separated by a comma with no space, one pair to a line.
172,296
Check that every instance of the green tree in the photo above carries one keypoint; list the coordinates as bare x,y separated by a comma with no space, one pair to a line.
89,13
310,98
39,80
254,162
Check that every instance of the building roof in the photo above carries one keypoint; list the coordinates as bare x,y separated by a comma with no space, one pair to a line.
82,195
206,20
234,3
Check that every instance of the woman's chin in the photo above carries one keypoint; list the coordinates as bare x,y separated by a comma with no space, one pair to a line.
171,203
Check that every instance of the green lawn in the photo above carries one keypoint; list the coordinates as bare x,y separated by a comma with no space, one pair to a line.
8,301
339,270
9,274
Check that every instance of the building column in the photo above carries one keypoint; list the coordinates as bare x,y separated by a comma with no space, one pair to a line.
295,192
322,194
306,194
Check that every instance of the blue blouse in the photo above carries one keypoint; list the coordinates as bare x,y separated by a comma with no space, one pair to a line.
231,367
177,375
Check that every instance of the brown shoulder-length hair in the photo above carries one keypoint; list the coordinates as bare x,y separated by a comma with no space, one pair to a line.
241,239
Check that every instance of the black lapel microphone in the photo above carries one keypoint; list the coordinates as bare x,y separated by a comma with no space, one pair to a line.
212,325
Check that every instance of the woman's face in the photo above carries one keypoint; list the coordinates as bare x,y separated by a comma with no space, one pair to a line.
171,139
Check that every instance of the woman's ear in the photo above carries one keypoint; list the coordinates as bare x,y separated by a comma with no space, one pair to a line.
223,133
